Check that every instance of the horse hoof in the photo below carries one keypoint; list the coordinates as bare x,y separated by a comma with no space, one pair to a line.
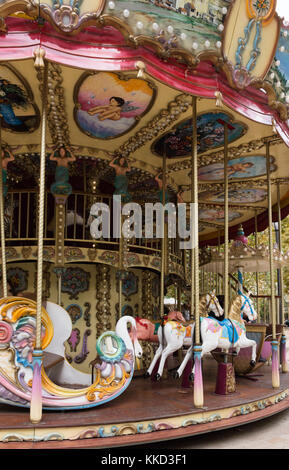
147,375
252,363
176,375
191,377
157,377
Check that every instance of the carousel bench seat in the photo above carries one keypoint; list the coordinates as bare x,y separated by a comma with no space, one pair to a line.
59,370
50,360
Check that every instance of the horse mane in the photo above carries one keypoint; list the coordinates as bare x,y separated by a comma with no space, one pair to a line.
235,309
203,311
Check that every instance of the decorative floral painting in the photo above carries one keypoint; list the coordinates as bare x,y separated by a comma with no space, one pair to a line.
239,168
238,196
74,281
178,142
108,105
261,8
17,108
217,215
129,285
75,312
18,279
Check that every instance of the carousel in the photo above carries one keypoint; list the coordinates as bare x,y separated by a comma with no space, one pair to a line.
142,143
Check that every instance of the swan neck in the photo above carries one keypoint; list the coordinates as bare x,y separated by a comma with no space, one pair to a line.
122,330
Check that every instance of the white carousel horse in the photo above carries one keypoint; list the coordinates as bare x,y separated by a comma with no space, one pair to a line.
116,352
182,335
227,334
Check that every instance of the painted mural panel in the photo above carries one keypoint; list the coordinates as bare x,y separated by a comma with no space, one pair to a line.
175,23
17,108
210,130
236,196
238,168
217,215
109,105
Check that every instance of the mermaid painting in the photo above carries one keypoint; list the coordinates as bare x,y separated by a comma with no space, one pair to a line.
12,95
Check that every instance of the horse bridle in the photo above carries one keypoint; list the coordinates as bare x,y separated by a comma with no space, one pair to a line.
214,299
245,303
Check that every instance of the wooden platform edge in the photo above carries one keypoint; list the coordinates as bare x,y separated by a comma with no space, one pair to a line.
132,434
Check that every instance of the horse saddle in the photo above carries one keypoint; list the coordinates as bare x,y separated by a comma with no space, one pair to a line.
228,330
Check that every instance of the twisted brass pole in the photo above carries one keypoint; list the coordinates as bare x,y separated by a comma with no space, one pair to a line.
281,292
3,245
163,244
120,265
41,211
274,343
257,275
226,223
195,238
197,349
36,397
282,318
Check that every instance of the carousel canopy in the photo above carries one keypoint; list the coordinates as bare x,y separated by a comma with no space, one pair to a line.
247,259
121,76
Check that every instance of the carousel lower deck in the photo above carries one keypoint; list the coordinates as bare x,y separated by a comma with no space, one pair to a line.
148,412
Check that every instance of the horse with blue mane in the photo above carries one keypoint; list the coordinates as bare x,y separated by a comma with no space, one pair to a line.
216,331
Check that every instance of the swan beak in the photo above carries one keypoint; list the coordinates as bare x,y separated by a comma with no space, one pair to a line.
138,365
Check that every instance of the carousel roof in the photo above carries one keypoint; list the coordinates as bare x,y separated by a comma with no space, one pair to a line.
141,62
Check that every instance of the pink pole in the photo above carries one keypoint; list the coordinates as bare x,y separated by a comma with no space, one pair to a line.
198,378
275,365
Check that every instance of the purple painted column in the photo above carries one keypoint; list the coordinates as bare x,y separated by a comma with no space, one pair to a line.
275,365
198,378
36,397
283,354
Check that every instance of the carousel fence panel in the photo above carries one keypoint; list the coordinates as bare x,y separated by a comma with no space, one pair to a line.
20,217
21,223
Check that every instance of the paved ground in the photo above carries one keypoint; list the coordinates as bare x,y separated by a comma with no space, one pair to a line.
269,433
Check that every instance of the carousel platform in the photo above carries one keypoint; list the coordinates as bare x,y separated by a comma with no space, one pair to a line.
148,412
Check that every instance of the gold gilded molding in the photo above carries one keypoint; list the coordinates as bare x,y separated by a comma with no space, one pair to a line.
157,124
233,152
